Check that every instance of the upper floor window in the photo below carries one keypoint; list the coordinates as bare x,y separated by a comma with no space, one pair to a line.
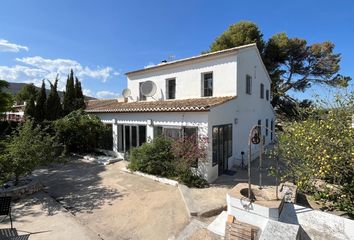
262,90
259,127
207,84
248,84
266,130
171,88
267,95
141,96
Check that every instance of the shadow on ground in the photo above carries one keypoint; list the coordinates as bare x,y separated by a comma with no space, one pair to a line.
240,175
77,186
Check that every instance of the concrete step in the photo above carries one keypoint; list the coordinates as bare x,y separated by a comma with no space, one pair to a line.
190,229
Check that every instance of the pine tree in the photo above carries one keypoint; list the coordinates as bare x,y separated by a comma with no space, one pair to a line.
54,108
69,96
41,107
30,110
80,100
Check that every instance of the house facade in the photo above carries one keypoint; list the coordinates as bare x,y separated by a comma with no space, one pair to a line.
16,114
219,96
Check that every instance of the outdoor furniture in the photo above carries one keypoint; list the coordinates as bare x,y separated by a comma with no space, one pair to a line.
236,230
12,234
5,208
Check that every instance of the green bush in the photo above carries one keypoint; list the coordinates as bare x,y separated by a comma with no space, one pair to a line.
25,150
321,147
158,158
79,131
153,158
192,179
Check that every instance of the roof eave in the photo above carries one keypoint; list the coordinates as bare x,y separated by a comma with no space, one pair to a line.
198,57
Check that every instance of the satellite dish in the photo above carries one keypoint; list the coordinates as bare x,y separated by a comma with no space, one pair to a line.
126,93
148,88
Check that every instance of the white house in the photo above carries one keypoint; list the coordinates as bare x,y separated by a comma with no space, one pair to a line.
219,95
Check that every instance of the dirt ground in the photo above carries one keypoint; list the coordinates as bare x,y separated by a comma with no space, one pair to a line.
113,204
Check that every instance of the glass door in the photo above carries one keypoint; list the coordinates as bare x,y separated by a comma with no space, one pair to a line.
222,146
134,136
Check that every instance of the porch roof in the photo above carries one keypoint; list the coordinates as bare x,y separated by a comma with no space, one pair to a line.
180,105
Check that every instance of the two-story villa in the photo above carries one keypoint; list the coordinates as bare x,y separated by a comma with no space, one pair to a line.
219,95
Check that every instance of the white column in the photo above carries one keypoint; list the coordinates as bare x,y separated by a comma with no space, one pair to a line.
149,131
115,135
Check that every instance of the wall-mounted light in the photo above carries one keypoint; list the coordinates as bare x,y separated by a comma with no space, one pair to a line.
149,122
235,120
114,121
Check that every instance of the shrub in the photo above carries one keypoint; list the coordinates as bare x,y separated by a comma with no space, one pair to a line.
321,147
192,179
154,158
169,158
189,150
79,131
26,149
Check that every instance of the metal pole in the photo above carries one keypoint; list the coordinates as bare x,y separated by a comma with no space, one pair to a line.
277,171
249,169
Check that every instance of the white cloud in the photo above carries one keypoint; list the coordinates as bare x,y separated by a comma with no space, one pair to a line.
107,94
88,92
63,66
6,46
34,69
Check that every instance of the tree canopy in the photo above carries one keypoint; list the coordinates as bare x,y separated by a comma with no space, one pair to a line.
26,92
292,63
41,108
54,107
79,96
30,109
69,96
73,97
5,98
239,34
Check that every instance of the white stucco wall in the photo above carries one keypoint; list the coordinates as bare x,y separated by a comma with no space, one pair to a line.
188,78
251,108
229,79
165,119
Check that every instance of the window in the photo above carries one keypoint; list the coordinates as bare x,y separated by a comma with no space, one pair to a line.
248,84
259,127
120,138
267,95
141,96
262,90
207,84
142,135
174,133
190,132
266,130
157,131
171,88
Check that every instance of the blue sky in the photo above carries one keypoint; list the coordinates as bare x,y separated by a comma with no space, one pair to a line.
103,39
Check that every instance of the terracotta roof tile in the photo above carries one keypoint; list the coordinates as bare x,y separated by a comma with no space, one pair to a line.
180,105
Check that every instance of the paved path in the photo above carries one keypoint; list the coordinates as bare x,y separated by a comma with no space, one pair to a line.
103,203
47,219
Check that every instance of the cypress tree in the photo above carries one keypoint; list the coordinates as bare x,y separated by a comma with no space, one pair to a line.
80,100
40,114
30,110
69,96
54,108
